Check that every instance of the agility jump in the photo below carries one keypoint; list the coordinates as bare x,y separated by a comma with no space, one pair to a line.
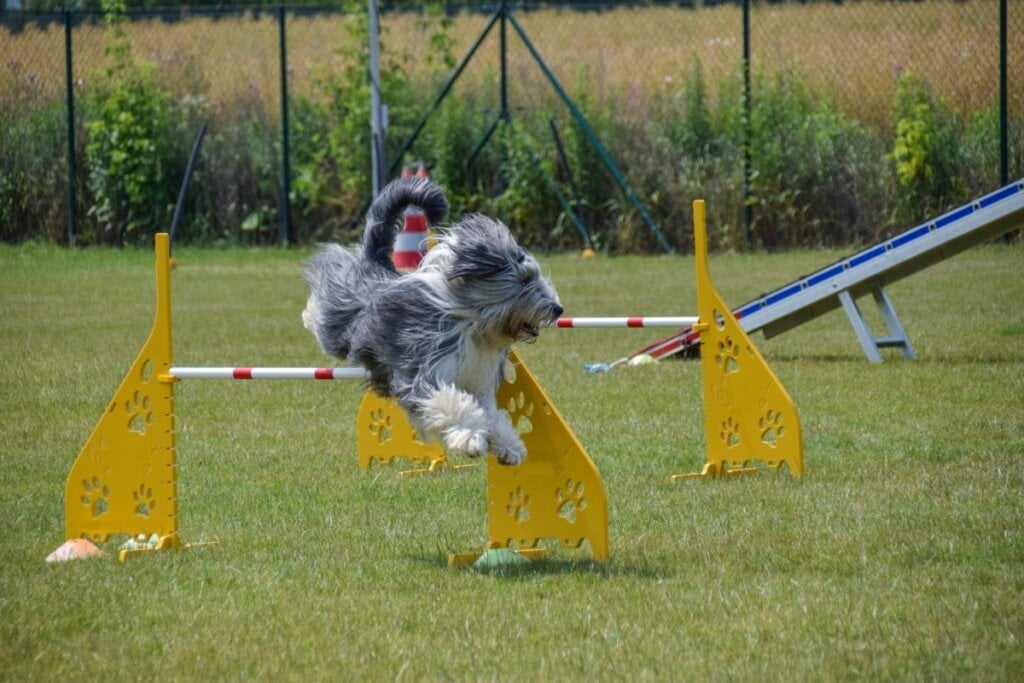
124,480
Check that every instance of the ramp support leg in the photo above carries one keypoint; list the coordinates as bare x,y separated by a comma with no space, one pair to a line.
897,335
869,343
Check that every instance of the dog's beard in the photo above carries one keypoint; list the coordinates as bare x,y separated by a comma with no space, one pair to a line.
527,328
520,314
495,284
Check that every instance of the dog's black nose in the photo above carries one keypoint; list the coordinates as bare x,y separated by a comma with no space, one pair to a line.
557,311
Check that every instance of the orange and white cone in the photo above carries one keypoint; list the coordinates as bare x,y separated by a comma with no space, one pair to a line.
411,242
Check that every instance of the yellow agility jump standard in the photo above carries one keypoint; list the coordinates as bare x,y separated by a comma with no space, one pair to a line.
748,415
556,493
124,480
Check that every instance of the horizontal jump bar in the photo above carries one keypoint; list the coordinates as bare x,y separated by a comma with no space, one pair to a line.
268,373
682,321
360,373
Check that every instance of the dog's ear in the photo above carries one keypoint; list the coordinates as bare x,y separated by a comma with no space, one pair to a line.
476,261
483,248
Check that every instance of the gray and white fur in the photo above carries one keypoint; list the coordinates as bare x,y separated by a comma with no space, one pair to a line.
435,339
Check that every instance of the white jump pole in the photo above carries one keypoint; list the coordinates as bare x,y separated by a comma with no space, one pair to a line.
360,373
268,373
681,321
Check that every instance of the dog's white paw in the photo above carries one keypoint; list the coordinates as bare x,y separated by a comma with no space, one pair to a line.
471,442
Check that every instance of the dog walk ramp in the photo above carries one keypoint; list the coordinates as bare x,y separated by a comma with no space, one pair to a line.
868,272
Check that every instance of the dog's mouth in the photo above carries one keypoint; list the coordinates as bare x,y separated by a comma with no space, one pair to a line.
528,331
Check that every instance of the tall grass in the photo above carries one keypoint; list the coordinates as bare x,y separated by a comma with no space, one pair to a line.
852,50
899,555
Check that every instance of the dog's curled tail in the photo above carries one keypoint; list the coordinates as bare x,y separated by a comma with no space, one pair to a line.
382,219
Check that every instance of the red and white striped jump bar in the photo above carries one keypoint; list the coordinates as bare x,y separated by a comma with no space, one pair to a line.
268,373
360,373
626,322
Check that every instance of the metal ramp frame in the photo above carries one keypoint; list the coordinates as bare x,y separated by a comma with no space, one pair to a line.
871,344
867,273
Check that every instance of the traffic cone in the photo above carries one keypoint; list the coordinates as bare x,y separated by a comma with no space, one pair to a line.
411,242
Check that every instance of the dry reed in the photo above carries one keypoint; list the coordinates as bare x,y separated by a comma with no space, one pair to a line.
853,51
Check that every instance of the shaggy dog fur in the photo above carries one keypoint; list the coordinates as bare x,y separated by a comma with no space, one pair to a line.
435,339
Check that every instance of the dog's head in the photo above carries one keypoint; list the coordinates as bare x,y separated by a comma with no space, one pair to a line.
493,281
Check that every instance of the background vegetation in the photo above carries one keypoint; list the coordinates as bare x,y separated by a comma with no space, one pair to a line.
898,556
865,118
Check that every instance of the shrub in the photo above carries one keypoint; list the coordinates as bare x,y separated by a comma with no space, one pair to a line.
814,180
527,202
333,152
129,143
925,152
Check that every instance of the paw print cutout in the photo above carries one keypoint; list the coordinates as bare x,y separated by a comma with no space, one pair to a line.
518,504
509,372
570,498
96,495
380,425
518,404
140,415
719,319
99,452
144,501
727,355
730,433
772,428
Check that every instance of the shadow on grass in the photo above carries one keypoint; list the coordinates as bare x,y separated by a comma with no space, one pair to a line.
547,567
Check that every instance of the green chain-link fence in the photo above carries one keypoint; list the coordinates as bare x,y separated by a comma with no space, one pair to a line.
863,118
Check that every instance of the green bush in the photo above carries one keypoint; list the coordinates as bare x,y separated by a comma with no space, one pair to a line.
926,151
236,187
332,153
127,151
809,162
332,131
129,143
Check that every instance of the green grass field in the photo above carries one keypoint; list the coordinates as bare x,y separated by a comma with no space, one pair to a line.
899,555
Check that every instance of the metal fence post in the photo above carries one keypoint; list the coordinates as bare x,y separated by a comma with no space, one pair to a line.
286,172
503,52
70,96
376,107
1004,135
748,217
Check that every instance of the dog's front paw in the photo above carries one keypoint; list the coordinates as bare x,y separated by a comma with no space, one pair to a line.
508,451
471,442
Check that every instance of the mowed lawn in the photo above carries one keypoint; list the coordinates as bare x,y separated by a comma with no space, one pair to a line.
899,554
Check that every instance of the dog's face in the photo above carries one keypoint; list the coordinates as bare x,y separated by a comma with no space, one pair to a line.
495,281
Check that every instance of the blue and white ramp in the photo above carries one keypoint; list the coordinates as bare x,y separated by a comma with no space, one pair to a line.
867,272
